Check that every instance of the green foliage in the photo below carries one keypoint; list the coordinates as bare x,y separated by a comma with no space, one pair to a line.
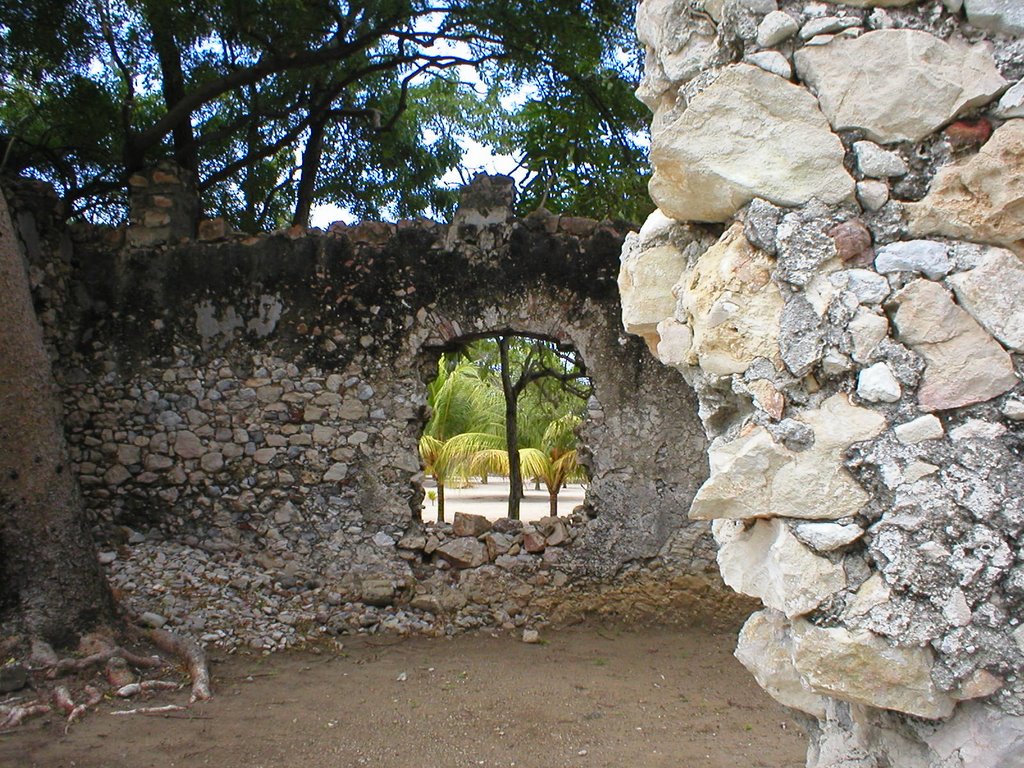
280,104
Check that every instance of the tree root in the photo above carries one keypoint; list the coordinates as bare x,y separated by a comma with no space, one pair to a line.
11,717
189,651
68,666
151,710
133,689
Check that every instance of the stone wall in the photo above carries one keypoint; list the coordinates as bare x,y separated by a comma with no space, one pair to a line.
244,411
835,266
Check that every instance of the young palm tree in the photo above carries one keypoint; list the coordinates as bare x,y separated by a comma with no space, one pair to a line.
461,403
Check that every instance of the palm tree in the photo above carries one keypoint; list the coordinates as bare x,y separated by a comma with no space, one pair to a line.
461,403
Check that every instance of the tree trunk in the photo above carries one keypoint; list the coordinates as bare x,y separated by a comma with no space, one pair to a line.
440,502
48,567
311,157
552,503
515,474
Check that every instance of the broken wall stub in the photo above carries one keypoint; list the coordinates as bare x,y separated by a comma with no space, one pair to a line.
244,414
835,266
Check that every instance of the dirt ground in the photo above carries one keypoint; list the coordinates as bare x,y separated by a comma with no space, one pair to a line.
585,697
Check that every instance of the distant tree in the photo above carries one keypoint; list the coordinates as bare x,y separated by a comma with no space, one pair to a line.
277,105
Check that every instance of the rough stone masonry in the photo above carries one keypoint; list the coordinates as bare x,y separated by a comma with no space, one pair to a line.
243,413
835,266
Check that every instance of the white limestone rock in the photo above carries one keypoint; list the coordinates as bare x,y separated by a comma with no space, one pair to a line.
980,199
979,735
877,3
897,84
749,134
871,593
926,257
771,61
963,364
867,331
1003,16
1011,104
679,45
993,292
732,306
878,163
863,668
763,647
646,277
872,194
766,561
827,537
674,342
753,476
876,384
867,285
776,27
927,427
827,25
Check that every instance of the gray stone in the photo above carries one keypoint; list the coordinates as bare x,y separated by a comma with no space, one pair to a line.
760,220
531,636
1011,104
470,525
801,336
858,86
868,286
463,552
377,592
1003,16
151,619
877,385
826,25
875,162
926,257
187,445
13,677
776,27
802,246
336,473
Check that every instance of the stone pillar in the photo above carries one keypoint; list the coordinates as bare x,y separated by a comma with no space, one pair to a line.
163,206
835,266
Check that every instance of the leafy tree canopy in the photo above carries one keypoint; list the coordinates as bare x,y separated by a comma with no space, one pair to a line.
277,105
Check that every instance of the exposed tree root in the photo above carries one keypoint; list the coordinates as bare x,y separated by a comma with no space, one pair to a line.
133,689
11,717
189,651
69,666
151,710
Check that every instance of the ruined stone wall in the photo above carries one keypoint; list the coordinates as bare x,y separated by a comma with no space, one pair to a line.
835,266
244,411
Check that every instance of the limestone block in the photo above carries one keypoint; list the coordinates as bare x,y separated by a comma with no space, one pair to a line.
897,84
731,305
872,592
753,476
872,194
765,560
876,162
963,364
750,134
763,647
646,277
993,293
980,199
771,61
466,524
863,668
674,342
868,286
1003,16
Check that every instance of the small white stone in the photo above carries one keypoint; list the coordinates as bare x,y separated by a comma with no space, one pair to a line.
872,194
531,636
928,257
835,363
1013,409
978,429
956,610
915,470
774,28
827,25
867,330
825,537
1012,103
876,162
923,428
772,61
1018,636
877,385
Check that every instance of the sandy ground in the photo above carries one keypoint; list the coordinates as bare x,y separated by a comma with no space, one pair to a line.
586,697
491,500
